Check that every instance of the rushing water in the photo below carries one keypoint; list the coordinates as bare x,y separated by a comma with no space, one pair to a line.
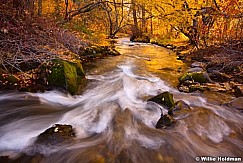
114,122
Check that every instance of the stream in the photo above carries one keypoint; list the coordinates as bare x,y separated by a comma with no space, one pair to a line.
113,120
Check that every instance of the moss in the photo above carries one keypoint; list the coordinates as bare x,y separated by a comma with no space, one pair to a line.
56,76
66,75
165,121
165,99
200,77
70,74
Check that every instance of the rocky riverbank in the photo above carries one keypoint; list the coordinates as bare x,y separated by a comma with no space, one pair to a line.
215,69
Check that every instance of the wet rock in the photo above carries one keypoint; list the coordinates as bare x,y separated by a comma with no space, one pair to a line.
61,74
201,77
165,99
218,87
219,77
188,83
170,46
112,51
238,90
141,38
98,51
197,87
165,121
183,88
198,64
179,106
195,69
181,57
56,134
237,103
211,66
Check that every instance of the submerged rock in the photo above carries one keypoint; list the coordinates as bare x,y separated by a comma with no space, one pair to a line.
56,134
179,106
165,121
238,90
237,103
165,99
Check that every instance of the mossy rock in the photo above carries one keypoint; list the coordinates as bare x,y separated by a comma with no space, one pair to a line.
180,106
198,87
140,38
200,77
98,51
64,74
165,121
165,99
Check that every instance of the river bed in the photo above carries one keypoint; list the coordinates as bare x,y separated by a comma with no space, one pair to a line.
112,119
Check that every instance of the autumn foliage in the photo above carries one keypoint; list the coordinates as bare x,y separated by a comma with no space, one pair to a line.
42,29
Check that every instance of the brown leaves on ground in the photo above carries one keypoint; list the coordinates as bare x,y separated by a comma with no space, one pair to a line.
226,58
26,42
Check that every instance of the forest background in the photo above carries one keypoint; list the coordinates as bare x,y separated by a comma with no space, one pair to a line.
36,31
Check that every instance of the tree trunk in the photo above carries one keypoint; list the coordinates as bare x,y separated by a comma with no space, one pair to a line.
66,10
30,4
135,30
143,19
39,7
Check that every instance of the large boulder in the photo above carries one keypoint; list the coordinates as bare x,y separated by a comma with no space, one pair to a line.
165,99
62,74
